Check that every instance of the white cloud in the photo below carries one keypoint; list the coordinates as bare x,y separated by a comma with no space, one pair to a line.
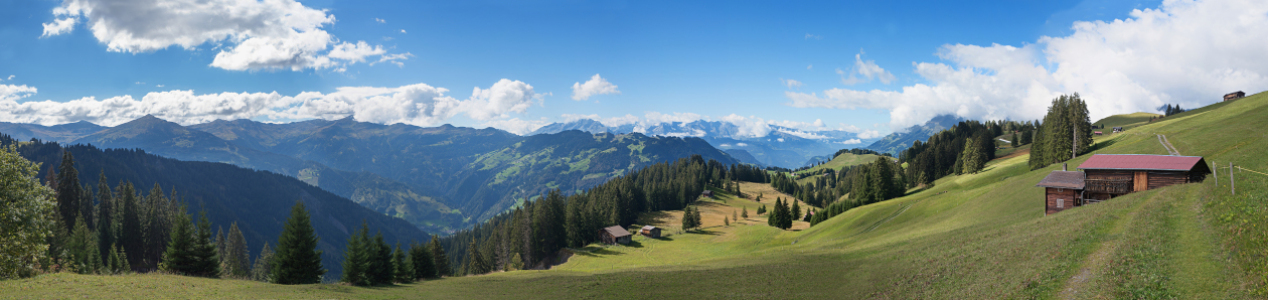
748,126
402,30
381,21
741,144
595,86
158,85
852,142
11,77
1184,52
417,104
355,52
59,26
810,67
657,117
868,69
790,83
813,36
251,35
394,59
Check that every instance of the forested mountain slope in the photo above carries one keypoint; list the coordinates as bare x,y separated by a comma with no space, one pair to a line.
259,201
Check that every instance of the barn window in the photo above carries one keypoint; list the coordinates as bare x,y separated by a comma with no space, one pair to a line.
1060,203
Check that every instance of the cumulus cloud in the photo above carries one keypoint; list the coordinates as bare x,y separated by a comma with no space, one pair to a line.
657,117
1184,52
417,104
381,21
852,142
813,36
790,83
595,86
251,35
867,69
58,26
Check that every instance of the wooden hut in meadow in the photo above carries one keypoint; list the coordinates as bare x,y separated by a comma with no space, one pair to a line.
1062,190
614,234
1234,95
1113,175
707,193
650,231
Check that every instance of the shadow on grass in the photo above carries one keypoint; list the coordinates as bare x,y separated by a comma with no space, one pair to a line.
595,251
1103,144
656,217
704,231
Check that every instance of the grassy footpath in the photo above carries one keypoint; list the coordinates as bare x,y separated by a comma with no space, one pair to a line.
978,236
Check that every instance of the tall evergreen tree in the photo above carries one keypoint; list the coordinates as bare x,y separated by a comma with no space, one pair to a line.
438,256
297,260
796,210
424,264
402,265
130,239
356,257
106,224
206,260
68,193
381,270
179,257
237,263
262,269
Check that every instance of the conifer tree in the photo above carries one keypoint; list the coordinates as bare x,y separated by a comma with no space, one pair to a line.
438,256
179,257
404,268
424,264
1014,141
381,270
220,247
476,264
297,260
206,262
262,269
517,263
796,210
68,190
237,262
106,227
356,257
744,212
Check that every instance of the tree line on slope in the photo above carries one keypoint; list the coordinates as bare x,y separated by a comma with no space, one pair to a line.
531,235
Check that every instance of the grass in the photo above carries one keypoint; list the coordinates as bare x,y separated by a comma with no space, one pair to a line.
1127,121
843,160
976,236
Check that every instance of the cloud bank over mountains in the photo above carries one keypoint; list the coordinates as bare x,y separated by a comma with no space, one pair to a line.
417,104
249,34
1184,52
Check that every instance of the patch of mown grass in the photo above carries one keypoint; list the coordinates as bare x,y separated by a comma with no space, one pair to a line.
1140,268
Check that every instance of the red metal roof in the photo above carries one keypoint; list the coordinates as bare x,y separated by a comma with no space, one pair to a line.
1063,179
1140,162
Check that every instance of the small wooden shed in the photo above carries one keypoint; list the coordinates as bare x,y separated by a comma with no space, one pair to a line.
707,193
650,231
614,234
1063,190
1234,96
1113,175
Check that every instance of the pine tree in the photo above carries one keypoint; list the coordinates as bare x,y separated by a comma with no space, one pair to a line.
220,248
356,258
438,256
1014,141
297,260
68,193
744,212
179,257
424,264
476,264
263,267
796,210
106,227
381,270
237,262
688,220
401,263
206,262
516,263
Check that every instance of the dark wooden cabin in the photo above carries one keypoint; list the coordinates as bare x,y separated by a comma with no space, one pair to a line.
1113,175
1063,190
650,231
614,234
1234,96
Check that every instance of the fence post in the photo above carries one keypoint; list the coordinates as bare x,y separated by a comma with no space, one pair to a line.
1215,173
1232,182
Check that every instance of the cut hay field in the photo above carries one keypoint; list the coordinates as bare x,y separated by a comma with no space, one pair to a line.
1127,121
979,236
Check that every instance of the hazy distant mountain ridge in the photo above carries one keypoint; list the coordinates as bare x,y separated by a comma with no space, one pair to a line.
899,141
777,145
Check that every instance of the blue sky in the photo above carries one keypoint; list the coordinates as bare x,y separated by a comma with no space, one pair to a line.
863,66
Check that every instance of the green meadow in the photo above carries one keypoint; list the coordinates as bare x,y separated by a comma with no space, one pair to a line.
977,236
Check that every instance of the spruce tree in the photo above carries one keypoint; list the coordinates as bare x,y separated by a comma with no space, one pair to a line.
424,264
106,227
179,257
744,212
263,267
796,210
356,257
401,263
1014,141
68,193
381,269
476,264
297,260
438,256
237,262
206,262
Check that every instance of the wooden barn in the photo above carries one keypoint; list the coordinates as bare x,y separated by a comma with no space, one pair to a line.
1063,190
707,193
614,234
1112,175
650,231
1234,96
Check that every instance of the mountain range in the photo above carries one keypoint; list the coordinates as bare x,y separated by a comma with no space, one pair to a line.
770,145
898,141
438,178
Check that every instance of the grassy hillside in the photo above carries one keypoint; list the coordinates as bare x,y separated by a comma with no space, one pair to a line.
979,236
843,160
1127,121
